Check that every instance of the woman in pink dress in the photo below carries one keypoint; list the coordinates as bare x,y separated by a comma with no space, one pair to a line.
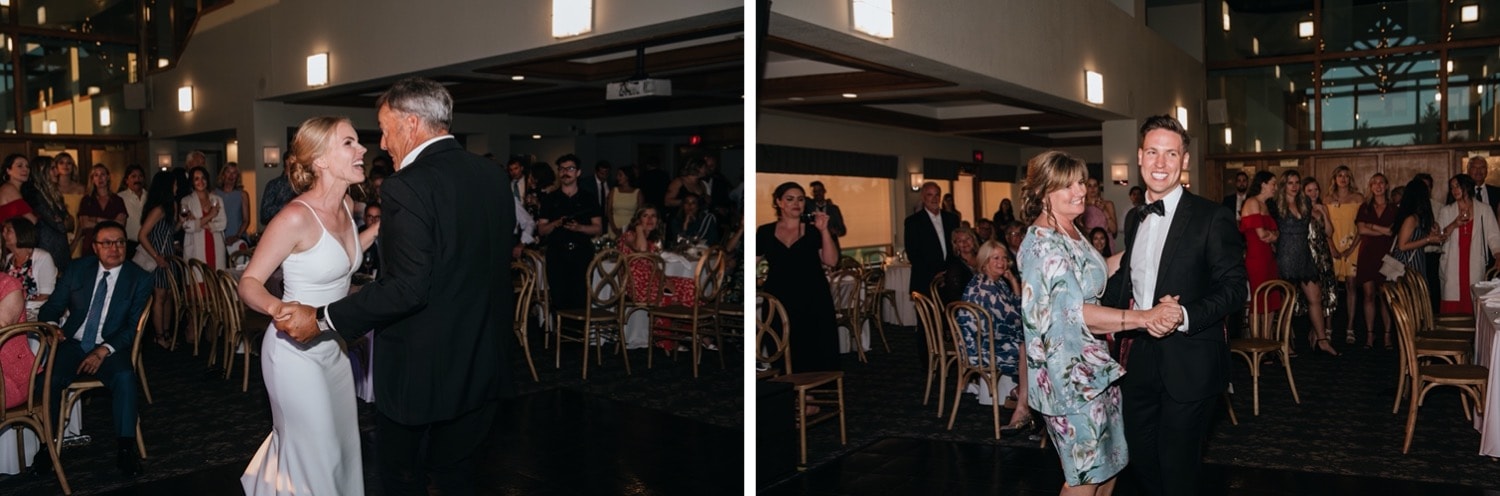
1260,232
15,354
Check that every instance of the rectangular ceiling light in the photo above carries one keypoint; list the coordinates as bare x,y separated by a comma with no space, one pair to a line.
317,69
572,17
1093,84
1468,13
185,99
874,17
1182,117
104,117
1305,29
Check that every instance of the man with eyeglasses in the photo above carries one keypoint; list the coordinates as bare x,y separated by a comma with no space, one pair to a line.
103,298
568,220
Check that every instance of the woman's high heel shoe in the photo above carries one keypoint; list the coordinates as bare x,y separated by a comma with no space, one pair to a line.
1317,346
1018,427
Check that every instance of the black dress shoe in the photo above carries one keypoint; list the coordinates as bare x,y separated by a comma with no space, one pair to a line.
127,460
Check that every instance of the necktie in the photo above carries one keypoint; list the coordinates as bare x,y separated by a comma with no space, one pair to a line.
515,188
96,309
1479,192
1156,207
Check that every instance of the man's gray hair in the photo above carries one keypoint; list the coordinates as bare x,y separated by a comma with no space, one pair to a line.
422,97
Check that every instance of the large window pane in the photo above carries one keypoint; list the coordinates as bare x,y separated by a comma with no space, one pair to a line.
864,201
1471,95
113,18
1267,109
1241,30
69,83
1368,25
1388,100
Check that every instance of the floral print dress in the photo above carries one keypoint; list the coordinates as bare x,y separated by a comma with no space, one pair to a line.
1004,306
1069,371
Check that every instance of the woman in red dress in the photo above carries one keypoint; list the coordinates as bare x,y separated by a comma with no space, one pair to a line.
1376,221
1260,235
14,172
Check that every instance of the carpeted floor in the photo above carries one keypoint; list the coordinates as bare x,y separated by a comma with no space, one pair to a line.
200,421
1343,425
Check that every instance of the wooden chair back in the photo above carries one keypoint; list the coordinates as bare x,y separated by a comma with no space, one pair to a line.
771,330
645,279
848,290
606,288
932,321
983,324
1275,324
523,279
34,412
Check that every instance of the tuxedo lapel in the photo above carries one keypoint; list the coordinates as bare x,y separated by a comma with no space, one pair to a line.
1175,234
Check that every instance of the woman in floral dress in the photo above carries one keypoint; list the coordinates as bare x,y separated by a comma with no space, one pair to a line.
1070,374
994,289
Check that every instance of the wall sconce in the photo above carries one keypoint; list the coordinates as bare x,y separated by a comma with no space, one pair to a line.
164,161
1305,29
51,126
874,17
1182,117
1120,173
271,156
572,17
185,99
104,117
917,180
1228,136
232,150
1468,13
1093,84
1225,6
317,69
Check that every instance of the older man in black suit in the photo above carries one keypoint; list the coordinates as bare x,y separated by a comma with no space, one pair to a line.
441,307
927,237
103,297
1185,248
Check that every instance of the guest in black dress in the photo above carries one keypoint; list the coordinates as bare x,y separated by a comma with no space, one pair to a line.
1294,257
795,254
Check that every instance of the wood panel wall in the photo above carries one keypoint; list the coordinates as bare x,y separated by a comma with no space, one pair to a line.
1398,166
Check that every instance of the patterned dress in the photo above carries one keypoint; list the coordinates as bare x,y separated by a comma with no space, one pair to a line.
1070,374
1004,306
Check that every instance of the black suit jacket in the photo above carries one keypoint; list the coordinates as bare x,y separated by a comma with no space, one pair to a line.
1232,203
1493,192
587,185
1202,262
924,247
442,305
75,291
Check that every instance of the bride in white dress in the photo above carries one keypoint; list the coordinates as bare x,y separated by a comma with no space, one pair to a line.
313,447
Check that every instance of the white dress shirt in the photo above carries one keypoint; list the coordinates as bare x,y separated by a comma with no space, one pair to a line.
114,277
937,225
1145,263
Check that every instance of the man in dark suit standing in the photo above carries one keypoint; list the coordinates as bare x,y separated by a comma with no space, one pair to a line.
441,306
927,237
1234,201
103,297
1182,248
1479,169
598,184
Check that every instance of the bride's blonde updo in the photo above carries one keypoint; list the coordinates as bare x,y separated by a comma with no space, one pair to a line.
313,139
1050,171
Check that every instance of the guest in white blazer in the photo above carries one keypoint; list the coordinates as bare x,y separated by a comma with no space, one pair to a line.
203,221
1470,233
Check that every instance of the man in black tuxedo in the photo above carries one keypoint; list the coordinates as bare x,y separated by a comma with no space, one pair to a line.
598,184
441,306
1234,201
927,237
1185,248
103,297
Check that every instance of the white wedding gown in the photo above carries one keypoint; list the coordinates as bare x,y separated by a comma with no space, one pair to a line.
314,443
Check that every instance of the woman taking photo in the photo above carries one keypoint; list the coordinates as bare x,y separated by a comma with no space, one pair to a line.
1260,234
100,205
1063,277
1376,220
203,221
996,290
1469,229
1294,259
795,253
1343,201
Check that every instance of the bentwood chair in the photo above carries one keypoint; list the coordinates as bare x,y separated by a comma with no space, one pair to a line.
237,339
1471,380
541,298
183,315
940,358
972,366
848,293
600,314
771,346
697,315
198,291
874,285
1270,334
34,413
1454,327
85,383
645,283
524,281
1448,350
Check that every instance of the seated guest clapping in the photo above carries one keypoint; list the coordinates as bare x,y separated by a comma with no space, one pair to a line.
996,289
103,297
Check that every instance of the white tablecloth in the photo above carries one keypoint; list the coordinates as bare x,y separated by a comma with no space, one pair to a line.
898,279
638,326
1487,353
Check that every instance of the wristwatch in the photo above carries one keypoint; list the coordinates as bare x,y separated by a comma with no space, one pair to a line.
323,325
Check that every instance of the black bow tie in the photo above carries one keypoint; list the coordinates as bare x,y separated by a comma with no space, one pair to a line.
1156,207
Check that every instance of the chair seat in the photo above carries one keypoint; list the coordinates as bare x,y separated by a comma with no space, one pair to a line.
596,316
1254,345
1442,347
1446,335
681,312
803,381
1454,374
